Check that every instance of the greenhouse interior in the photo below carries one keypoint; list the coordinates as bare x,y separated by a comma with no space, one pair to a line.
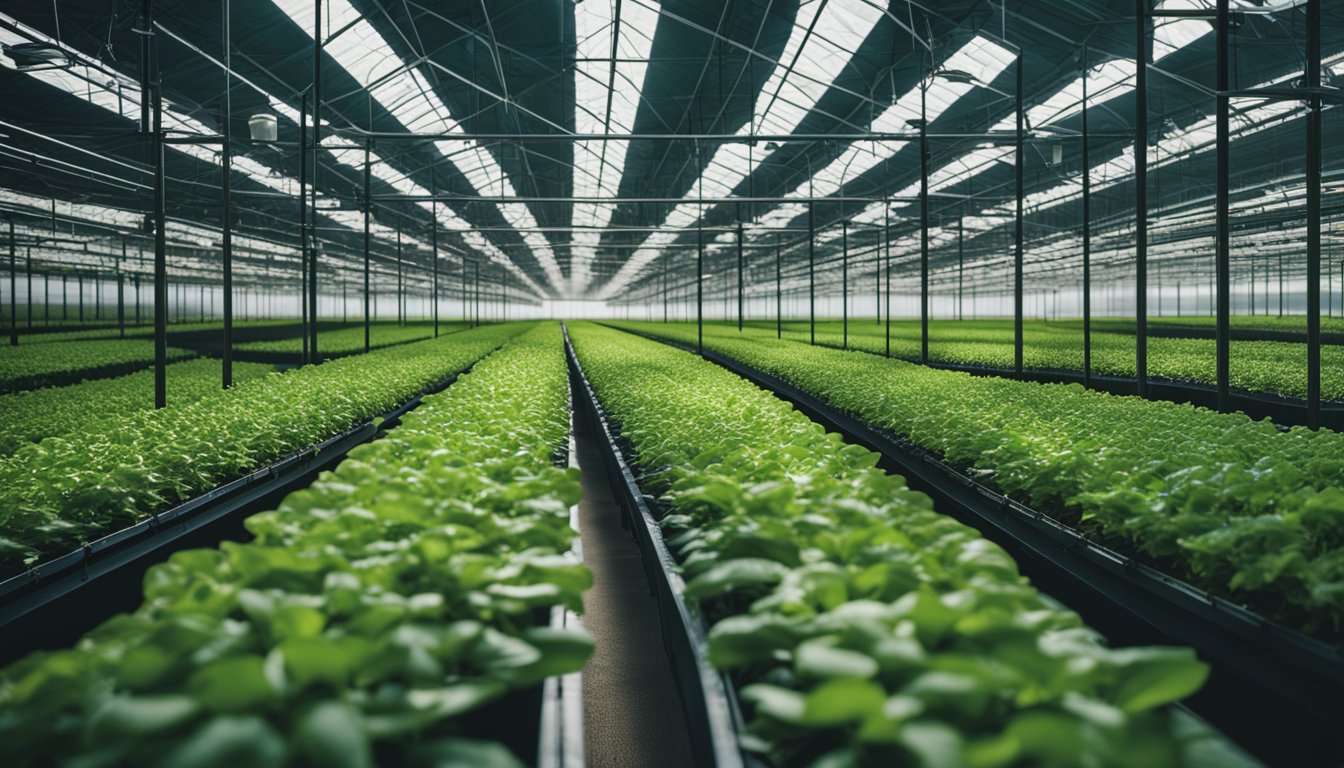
744,383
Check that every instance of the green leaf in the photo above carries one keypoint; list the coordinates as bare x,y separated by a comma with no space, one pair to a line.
462,753
735,574
821,658
332,734
233,684
126,717
1151,677
229,742
841,701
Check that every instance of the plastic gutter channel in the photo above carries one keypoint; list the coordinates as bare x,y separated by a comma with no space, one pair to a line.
47,583
1299,679
713,717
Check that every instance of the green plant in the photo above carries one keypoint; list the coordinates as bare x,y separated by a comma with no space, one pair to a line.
1237,507
373,615
860,626
66,490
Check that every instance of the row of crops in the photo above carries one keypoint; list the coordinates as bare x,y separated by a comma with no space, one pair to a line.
860,627
393,610
92,479
1278,367
1237,507
376,618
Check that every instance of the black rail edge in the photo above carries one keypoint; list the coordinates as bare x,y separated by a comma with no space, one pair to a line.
42,607
713,718
1275,691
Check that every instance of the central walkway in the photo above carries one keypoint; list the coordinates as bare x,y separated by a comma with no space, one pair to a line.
631,712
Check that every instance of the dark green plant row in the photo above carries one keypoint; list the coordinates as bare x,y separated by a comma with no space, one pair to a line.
861,627
42,365
1234,506
344,341
144,330
373,616
29,416
1274,367
66,490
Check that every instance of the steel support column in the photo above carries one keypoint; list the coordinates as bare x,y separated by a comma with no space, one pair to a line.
1086,162
886,252
844,283
317,152
303,223
811,271
160,243
779,293
700,286
368,212
1019,160
226,192
1223,205
13,286
1142,40
1313,172
924,221
121,292
740,288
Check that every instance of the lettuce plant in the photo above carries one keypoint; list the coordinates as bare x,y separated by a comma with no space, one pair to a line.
1234,506
860,627
375,619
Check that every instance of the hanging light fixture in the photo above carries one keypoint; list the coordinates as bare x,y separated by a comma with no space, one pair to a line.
263,127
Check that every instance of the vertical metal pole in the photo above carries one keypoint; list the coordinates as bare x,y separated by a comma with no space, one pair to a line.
466,293
368,212
666,256
779,294
886,250
303,221
401,314
811,271
1086,162
844,282
121,293
226,191
1223,204
80,277
13,286
1020,158
700,286
160,240
1313,171
476,270
435,243
924,218
961,263
29,273
1141,42
317,150
740,288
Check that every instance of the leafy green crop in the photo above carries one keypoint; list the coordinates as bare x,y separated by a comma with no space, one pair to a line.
27,417
1256,366
372,617
56,494
344,341
860,626
1234,506
31,367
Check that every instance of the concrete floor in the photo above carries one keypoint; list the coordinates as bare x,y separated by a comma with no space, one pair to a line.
631,712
